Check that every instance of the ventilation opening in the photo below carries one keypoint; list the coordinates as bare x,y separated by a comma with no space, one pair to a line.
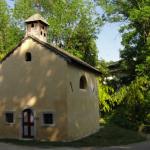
83,83
32,25
44,35
28,56
41,32
9,117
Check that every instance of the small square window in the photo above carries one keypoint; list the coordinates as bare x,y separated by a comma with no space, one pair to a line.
28,56
48,118
9,117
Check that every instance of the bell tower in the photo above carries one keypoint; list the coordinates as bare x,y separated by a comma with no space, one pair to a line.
37,26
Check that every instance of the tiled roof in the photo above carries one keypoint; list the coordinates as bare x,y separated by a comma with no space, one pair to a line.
36,17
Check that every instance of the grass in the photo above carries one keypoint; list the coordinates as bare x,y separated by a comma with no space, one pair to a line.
107,136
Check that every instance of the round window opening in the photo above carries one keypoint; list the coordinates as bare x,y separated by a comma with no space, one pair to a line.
83,82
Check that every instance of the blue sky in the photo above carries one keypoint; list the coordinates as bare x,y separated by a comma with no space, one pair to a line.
10,2
108,42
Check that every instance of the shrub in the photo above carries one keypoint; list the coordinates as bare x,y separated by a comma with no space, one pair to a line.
130,106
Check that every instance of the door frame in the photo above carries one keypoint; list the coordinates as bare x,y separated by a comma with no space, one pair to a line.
21,125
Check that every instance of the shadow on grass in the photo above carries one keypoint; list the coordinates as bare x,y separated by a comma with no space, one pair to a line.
110,135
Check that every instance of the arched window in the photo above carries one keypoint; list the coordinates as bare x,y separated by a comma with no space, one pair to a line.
28,56
83,82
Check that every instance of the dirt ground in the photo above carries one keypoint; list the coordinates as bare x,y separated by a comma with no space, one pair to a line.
137,146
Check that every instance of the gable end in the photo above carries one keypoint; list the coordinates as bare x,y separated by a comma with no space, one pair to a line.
68,57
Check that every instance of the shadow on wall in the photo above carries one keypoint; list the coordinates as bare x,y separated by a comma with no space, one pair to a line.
42,85
39,84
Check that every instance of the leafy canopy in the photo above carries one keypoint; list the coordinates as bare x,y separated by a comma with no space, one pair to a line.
135,18
74,24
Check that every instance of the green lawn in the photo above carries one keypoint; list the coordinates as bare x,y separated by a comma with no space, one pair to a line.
107,136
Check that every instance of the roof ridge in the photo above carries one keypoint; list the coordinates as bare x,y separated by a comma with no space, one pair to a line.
69,57
36,17
66,53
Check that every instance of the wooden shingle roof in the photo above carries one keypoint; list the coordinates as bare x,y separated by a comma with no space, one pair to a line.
36,17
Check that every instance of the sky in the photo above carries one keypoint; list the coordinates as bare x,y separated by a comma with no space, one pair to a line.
108,42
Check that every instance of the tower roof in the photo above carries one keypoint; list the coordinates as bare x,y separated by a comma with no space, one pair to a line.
36,17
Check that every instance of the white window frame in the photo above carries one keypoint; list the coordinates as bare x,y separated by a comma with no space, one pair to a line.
13,112
42,119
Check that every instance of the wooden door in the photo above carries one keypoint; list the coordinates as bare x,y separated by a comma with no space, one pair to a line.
27,124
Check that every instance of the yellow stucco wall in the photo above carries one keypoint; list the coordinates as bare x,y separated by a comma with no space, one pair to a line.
83,111
44,86
39,84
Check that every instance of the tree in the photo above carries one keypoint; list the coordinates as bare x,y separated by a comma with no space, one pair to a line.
9,33
73,24
135,15
133,102
4,22
82,42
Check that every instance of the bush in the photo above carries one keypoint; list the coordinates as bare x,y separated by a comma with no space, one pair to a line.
124,118
133,107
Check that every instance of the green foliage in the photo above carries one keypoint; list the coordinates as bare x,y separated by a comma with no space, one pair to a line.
147,108
128,107
134,104
135,31
9,33
73,24
105,100
102,65
144,68
75,29
23,9
4,22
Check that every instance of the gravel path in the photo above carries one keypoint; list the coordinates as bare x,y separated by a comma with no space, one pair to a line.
138,146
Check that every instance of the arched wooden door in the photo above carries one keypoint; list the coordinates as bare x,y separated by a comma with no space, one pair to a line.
27,123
